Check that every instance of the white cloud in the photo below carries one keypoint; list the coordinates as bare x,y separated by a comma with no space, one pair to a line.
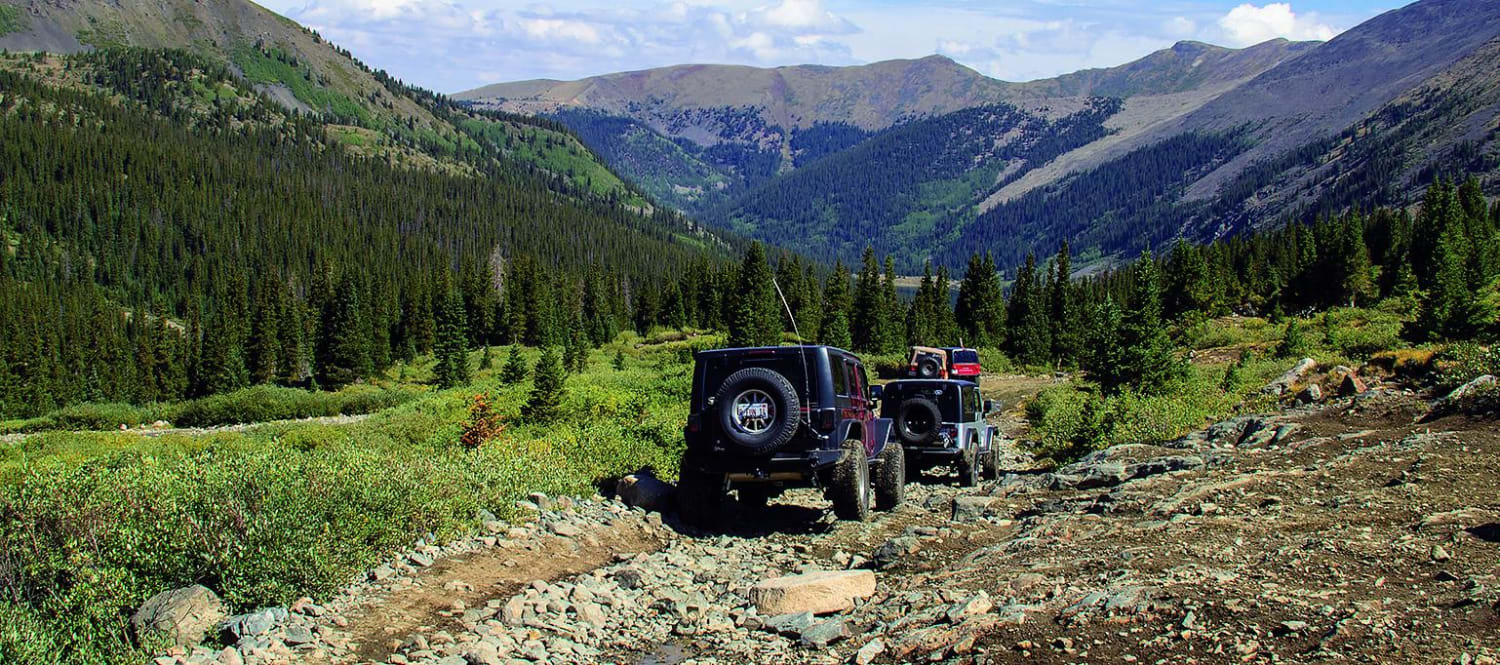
1248,24
454,45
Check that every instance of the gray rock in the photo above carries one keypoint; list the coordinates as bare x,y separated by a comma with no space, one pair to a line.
565,530
790,624
869,652
629,578
182,615
892,551
297,635
382,572
1310,394
419,559
1103,474
975,508
976,605
254,624
1162,465
824,633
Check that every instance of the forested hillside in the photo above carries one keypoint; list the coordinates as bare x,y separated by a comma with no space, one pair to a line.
371,112
909,191
171,232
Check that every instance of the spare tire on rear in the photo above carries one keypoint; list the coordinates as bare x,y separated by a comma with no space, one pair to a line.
929,367
757,410
917,421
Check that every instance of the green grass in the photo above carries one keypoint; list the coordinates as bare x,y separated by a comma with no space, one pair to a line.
552,151
261,67
97,522
254,404
12,20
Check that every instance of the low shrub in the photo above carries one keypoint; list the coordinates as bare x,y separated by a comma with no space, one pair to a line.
263,403
1464,362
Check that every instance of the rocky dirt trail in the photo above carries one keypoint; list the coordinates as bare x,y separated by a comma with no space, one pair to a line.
1340,531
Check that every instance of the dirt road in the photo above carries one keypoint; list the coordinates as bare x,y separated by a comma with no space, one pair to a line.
1340,532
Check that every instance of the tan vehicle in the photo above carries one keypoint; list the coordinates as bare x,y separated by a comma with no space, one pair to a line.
927,362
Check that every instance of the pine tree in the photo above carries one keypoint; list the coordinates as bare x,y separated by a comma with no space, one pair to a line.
515,366
576,351
868,315
833,328
754,319
544,404
486,359
344,351
892,333
1029,336
1294,342
1448,311
980,313
1148,361
619,362
1062,316
451,347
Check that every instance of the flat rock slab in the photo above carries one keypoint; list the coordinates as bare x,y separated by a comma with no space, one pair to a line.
819,592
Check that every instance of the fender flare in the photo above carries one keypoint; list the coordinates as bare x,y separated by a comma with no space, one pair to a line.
880,428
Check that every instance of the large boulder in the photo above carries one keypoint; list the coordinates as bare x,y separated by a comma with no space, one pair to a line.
182,615
643,490
818,592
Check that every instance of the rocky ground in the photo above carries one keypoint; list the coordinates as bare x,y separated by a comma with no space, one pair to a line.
1339,531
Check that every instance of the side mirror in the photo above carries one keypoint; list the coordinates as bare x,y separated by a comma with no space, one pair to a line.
876,392
989,406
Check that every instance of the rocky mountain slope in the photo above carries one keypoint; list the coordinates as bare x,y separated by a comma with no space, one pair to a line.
701,136
302,71
1332,531
1205,142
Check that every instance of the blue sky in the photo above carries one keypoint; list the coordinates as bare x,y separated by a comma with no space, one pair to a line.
453,45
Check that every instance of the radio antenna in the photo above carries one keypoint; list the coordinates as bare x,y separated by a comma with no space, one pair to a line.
801,350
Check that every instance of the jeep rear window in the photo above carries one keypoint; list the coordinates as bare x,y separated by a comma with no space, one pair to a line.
965,356
945,397
789,366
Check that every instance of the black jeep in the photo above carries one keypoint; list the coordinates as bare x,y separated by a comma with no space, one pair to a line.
764,419
942,422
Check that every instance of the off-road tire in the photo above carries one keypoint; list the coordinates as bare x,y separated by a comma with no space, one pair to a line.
969,464
700,494
849,484
782,398
890,477
929,368
916,411
992,462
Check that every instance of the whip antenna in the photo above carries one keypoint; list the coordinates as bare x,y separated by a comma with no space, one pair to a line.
801,351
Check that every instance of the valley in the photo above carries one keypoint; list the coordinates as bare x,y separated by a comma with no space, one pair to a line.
301,362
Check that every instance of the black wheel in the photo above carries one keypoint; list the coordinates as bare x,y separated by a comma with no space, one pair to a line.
757,410
890,477
849,484
917,421
992,462
969,463
699,494
929,368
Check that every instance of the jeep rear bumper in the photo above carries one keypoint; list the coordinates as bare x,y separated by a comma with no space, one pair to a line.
778,467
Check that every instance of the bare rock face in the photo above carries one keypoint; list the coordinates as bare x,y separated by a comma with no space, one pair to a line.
642,490
819,592
182,615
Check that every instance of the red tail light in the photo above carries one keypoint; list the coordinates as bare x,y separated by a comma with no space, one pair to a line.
825,419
